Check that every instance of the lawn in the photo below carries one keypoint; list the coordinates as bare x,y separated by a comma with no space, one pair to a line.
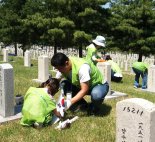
86,129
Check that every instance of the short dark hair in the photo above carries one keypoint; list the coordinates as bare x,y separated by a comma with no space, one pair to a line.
53,83
59,59
108,57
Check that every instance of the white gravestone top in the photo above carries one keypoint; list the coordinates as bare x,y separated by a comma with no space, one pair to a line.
135,121
105,69
6,90
151,79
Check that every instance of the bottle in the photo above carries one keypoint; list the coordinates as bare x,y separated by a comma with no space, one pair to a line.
68,95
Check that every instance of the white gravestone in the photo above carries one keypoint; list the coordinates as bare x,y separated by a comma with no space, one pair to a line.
135,121
6,90
122,65
105,69
126,66
151,79
27,59
43,69
5,55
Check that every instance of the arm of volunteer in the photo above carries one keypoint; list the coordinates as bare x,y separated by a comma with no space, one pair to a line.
96,59
84,77
81,93
57,113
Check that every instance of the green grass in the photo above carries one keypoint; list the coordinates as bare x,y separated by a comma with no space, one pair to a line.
85,129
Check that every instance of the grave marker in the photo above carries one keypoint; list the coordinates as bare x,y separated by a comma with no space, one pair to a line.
151,79
105,69
135,121
6,90
43,69
27,59
5,55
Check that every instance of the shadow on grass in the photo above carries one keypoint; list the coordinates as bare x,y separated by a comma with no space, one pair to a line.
105,110
120,82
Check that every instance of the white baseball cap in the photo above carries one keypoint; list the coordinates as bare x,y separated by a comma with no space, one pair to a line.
100,41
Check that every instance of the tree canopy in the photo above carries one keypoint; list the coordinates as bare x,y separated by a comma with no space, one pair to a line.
127,25
132,26
54,23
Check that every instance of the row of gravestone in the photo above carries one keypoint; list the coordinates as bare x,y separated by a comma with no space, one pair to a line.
124,61
39,50
104,68
135,118
43,69
43,74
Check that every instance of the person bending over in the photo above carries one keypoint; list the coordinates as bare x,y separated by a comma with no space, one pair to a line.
81,78
140,69
92,49
116,73
39,105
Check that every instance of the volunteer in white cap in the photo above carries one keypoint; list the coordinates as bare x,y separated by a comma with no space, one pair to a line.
93,47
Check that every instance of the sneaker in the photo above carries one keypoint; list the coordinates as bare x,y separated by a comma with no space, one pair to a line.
143,87
135,86
83,107
37,125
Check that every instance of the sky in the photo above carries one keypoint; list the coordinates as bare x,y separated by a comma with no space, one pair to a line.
107,5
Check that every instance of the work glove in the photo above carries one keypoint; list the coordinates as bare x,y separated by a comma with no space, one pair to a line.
100,60
67,104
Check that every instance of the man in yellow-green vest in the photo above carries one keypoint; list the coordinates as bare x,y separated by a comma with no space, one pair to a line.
140,69
81,78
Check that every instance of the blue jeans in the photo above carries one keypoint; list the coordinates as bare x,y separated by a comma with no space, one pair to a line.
137,76
97,93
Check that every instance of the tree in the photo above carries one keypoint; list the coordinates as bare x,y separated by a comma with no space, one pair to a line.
84,16
67,26
34,26
57,36
81,39
90,20
10,11
132,26
51,22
